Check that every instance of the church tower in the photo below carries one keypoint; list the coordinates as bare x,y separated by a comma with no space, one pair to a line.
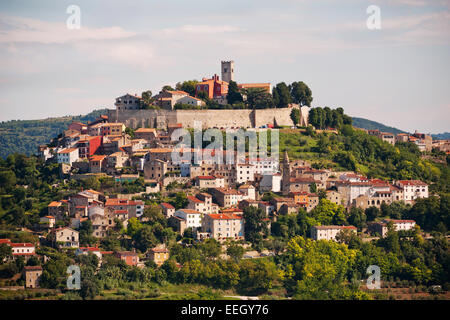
286,178
227,71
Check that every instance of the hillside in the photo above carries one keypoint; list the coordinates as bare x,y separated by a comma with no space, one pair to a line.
373,125
441,136
355,150
24,136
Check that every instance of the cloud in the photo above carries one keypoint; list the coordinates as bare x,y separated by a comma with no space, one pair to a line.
191,29
27,40
424,29
420,3
24,30
134,53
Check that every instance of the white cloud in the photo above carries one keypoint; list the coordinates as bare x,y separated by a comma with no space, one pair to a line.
192,29
22,30
134,53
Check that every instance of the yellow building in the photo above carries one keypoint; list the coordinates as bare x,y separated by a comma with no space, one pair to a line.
158,255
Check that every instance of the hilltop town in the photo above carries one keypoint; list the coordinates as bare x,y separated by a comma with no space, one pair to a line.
124,197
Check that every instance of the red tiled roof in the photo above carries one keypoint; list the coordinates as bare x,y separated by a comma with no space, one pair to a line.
69,150
401,221
159,250
18,245
175,125
167,205
221,216
135,202
177,92
334,227
190,211
194,199
32,268
89,249
97,158
231,210
55,204
412,183
206,177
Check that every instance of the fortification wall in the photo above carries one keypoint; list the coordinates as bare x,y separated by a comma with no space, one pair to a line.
216,118
209,118
281,117
144,118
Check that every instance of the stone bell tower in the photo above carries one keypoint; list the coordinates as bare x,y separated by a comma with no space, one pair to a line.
227,71
286,177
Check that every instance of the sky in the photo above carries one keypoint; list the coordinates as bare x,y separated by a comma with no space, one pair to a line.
397,75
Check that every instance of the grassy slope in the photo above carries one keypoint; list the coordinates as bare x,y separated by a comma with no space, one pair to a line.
299,146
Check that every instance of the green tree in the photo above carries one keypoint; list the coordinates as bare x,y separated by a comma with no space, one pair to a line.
256,277
317,269
257,98
134,225
301,93
89,288
188,86
295,116
85,232
255,226
54,274
5,252
372,213
147,99
167,88
144,238
235,251
233,95
129,131
357,218
210,248
154,215
327,212
7,179
180,200
281,95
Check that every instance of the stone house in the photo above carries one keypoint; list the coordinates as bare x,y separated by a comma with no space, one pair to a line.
32,274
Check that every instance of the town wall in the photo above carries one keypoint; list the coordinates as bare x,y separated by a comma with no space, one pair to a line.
209,118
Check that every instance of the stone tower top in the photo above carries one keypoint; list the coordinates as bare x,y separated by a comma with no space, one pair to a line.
286,157
227,71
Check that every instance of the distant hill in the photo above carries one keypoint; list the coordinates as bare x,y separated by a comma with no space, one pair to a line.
441,136
24,136
373,125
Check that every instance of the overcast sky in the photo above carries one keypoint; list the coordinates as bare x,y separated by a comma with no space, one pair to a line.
398,75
